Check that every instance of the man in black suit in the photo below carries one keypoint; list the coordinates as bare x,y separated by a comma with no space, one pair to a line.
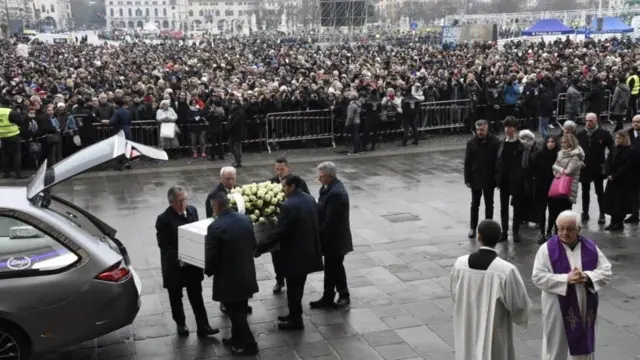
509,176
594,141
227,183
177,275
335,236
479,169
634,136
297,234
229,247
282,171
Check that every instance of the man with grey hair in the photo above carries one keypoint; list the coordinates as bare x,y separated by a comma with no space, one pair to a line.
177,275
335,236
227,182
570,270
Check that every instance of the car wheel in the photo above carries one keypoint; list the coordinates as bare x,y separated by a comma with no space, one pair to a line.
13,344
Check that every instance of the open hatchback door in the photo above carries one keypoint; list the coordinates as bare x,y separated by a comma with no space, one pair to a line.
88,158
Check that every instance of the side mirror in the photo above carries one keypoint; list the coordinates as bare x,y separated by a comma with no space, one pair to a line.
24,232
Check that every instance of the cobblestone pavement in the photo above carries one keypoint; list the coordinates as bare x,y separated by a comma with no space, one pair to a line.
398,273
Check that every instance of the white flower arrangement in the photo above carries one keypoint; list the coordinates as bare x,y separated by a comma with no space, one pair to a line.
261,201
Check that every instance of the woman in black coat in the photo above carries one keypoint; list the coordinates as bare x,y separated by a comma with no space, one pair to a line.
541,169
618,174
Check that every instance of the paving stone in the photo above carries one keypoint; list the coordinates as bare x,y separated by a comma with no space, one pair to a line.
398,274
396,352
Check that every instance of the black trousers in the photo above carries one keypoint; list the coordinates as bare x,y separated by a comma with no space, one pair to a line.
598,184
370,132
556,206
276,257
241,335
217,145
410,123
295,290
619,119
505,197
635,200
476,195
335,278
194,292
11,155
236,150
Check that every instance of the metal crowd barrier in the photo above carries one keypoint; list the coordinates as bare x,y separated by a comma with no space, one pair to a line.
444,114
142,131
561,107
299,125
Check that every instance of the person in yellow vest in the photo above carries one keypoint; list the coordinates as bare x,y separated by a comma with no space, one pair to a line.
10,146
634,84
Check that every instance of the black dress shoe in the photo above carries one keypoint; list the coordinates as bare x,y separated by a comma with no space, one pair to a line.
472,234
223,309
343,303
585,216
207,331
283,318
277,289
322,304
183,330
632,220
291,325
504,237
601,219
228,342
542,239
249,309
246,350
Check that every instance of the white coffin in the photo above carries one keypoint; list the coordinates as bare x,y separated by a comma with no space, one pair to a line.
191,242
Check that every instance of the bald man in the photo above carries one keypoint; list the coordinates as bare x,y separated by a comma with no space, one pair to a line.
595,141
634,136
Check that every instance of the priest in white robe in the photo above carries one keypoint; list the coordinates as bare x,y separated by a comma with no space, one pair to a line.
489,297
570,270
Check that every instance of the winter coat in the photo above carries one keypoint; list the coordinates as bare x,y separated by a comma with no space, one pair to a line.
353,113
573,102
168,116
570,163
620,101
617,192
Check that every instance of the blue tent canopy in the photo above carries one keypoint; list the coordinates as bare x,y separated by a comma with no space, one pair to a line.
610,25
548,27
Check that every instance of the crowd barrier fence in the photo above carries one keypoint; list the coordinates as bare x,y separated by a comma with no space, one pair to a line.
561,107
282,127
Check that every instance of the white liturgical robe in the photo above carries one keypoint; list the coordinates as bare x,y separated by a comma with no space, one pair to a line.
486,304
554,337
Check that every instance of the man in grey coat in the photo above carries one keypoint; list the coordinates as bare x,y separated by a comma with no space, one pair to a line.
353,122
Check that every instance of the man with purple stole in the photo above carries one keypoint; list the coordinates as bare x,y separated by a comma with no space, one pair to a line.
570,270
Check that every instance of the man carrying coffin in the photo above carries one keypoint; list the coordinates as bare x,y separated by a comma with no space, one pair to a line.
229,247
297,234
570,270
227,183
282,171
177,275
489,296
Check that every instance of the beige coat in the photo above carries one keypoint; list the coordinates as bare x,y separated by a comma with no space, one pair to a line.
570,163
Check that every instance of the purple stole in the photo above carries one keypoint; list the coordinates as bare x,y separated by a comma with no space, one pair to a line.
581,337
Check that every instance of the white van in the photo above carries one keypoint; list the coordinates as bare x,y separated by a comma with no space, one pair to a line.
52,38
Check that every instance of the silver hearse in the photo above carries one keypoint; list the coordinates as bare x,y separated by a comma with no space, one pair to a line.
64,276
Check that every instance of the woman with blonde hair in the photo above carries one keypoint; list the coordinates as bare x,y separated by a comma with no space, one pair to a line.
569,162
617,172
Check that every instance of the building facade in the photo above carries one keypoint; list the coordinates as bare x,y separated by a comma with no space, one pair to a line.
211,15
52,14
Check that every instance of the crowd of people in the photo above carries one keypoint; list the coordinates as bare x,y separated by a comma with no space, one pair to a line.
536,176
220,90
